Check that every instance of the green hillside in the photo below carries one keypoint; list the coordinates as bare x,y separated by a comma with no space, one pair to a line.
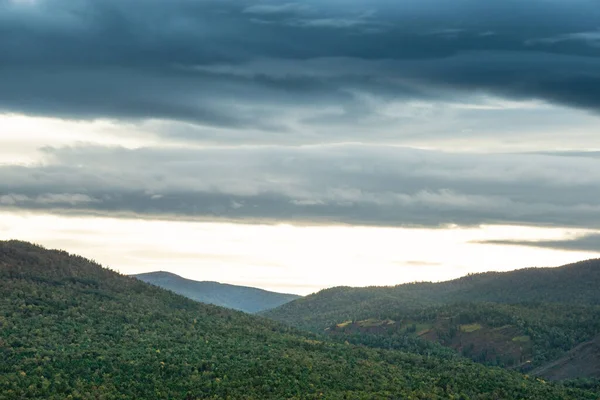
571,284
581,361
240,298
521,320
521,336
70,329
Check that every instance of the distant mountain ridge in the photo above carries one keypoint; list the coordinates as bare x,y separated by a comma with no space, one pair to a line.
242,298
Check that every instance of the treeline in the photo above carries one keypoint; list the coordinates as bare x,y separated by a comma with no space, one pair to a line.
574,284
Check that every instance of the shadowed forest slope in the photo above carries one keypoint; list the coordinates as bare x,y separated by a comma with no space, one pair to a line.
583,360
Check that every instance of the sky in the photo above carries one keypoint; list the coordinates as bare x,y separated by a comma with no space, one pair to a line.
295,146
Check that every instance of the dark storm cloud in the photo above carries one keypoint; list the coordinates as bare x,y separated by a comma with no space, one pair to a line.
192,60
369,185
589,243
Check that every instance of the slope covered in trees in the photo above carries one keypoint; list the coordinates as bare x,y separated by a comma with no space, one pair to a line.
524,320
240,298
571,284
520,336
581,361
70,329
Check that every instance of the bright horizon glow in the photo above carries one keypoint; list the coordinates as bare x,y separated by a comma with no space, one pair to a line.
287,258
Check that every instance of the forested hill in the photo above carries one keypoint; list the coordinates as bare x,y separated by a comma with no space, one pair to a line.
70,329
571,284
241,298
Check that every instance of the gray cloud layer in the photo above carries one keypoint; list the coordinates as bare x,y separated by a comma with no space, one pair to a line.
348,184
245,64
589,243
232,72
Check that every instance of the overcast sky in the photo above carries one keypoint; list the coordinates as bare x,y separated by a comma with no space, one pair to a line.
300,145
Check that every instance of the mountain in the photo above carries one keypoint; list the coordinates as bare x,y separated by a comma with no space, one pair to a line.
570,284
70,329
582,361
519,336
525,319
240,298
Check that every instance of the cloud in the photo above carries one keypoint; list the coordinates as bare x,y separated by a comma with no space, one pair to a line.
61,199
194,61
12,199
281,8
589,242
418,263
365,185
275,74
591,38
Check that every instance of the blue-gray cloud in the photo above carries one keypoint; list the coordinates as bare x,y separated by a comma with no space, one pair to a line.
193,60
369,185
589,242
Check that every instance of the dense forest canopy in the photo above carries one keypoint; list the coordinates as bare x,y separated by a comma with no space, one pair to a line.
527,320
70,329
519,336
575,284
